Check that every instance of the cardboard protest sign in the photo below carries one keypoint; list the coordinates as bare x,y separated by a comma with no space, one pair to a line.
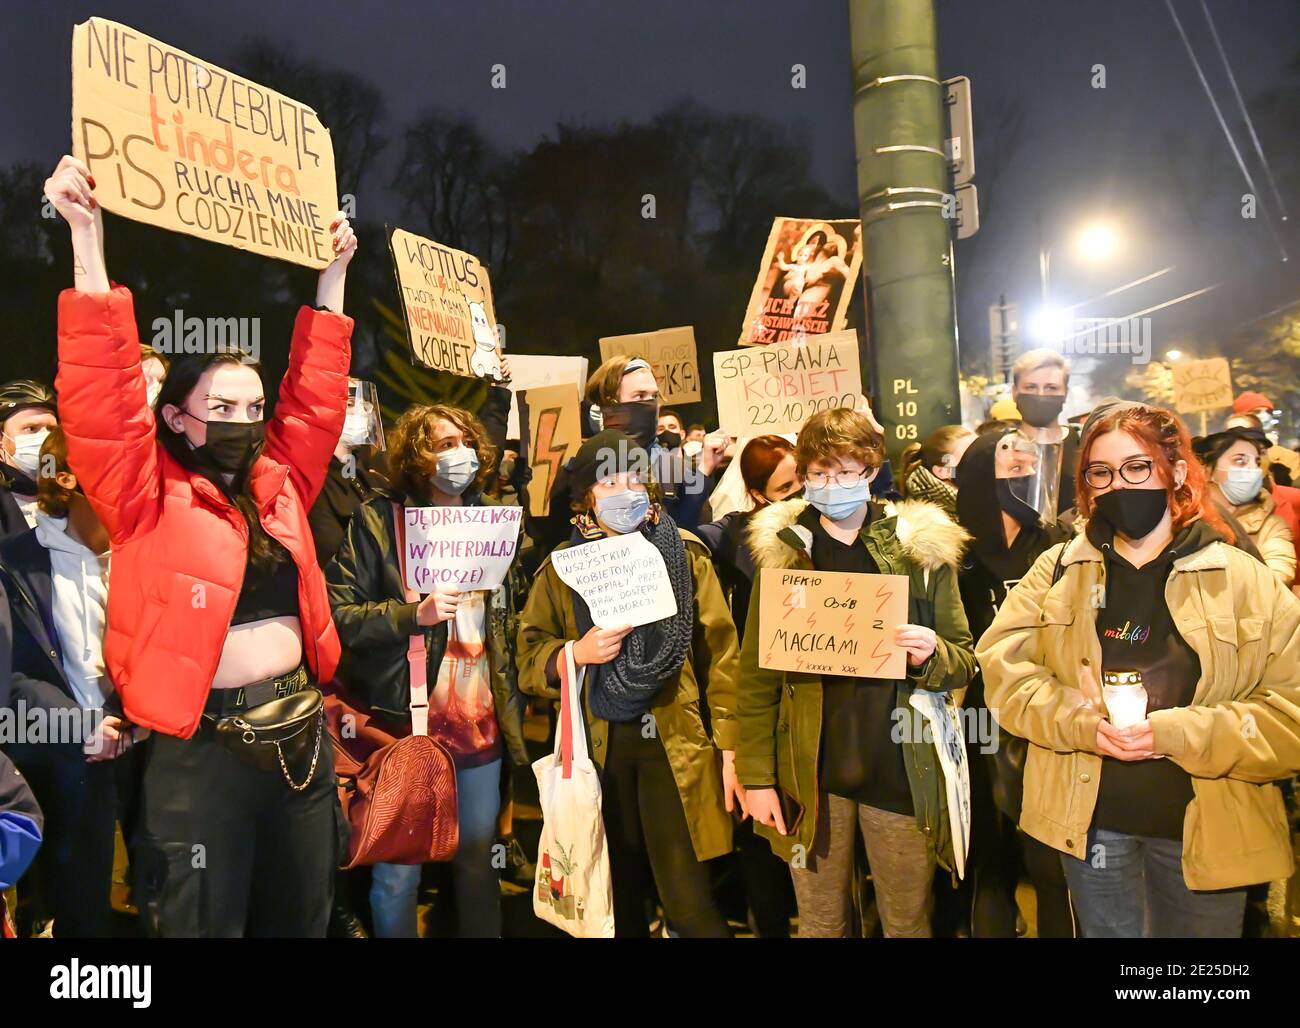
179,143
622,578
1202,385
530,370
805,282
460,548
777,388
447,304
670,352
831,623
553,437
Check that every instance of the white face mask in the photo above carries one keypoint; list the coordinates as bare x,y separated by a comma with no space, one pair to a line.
27,451
692,447
1243,484
356,429
151,392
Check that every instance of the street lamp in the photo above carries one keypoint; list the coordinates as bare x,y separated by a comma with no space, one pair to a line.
1095,242
1049,325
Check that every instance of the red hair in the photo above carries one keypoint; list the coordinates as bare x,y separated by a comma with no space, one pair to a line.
760,458
1165,439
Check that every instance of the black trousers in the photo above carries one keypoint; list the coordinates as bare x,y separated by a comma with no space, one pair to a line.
649,841
769,891
227,850
72,875
1043,864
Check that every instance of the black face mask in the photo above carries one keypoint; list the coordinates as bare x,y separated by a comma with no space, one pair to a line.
638,419
669,440
1133,512
1039,411
232,446
1013,504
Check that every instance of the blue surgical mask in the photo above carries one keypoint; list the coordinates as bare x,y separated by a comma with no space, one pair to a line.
456,470
837,502
623,512
1243,484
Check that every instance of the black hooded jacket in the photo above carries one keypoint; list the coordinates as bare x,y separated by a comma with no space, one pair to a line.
13,481
991,567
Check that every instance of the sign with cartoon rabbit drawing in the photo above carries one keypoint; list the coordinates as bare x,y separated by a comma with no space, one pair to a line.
447,307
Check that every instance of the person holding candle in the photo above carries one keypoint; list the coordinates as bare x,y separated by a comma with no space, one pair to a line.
1163,823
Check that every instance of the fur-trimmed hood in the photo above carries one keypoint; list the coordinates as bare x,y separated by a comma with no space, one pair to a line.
926,535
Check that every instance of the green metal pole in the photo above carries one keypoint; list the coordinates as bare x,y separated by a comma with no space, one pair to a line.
899,128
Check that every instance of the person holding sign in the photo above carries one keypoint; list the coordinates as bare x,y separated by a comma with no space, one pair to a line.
819,752
668,780
218,621
1159,793
439,457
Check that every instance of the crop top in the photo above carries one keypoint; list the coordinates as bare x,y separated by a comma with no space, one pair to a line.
268,592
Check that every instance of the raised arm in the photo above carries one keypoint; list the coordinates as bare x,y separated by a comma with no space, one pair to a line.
102,403
314,393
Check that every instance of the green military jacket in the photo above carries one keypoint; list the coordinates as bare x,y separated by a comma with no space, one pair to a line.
781,711
706,681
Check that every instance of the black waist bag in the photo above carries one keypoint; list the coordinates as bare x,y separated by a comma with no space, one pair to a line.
284,733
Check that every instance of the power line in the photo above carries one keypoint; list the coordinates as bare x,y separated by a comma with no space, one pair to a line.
1250,124
1103,322
1124,287
1205,85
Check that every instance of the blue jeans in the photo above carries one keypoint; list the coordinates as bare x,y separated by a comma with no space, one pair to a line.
393,887
1136,891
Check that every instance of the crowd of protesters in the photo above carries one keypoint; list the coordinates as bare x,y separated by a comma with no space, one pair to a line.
177,568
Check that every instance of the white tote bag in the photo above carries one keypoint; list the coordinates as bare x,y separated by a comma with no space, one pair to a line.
573,889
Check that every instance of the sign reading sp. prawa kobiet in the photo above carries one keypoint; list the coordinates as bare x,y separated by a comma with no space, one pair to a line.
177,142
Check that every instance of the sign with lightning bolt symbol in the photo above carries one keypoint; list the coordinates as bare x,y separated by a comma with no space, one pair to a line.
554,434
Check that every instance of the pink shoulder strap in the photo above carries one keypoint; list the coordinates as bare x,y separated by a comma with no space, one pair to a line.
417,656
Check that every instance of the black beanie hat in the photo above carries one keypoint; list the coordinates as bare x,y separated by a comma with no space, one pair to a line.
606,453
1211,447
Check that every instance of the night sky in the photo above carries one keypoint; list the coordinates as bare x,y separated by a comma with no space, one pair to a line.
1083,151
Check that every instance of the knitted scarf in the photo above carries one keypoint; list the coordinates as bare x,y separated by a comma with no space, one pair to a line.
625,688
923,485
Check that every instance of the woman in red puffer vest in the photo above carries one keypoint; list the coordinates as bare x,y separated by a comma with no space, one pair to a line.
217,605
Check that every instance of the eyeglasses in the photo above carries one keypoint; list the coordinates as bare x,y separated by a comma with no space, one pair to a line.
821,479
1134,472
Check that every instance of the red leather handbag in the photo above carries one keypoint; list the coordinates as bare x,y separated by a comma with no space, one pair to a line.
399,795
